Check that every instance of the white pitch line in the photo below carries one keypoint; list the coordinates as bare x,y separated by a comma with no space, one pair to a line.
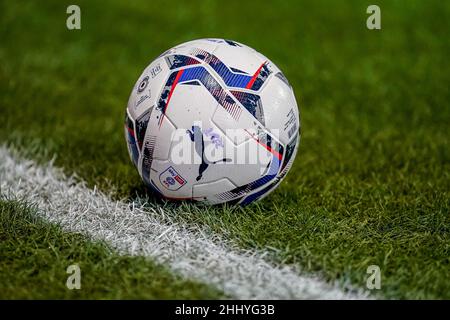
132,229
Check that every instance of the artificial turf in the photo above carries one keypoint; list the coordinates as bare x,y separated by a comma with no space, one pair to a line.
370,184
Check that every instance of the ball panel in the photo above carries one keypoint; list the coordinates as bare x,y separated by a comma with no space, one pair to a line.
130,137
148,87
187,47
191,104
232,129
280,109
238,57
206,190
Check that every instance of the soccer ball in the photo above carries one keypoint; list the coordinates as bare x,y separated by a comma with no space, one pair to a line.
212,120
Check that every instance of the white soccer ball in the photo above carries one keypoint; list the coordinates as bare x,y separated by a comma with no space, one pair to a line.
212,120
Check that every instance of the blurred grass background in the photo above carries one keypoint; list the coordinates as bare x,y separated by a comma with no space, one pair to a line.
370,184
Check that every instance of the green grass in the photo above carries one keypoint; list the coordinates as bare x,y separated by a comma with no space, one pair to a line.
34,257
370,184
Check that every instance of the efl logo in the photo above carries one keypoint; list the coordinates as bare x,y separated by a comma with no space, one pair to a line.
171,179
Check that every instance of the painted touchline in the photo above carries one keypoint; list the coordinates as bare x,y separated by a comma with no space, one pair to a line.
132,229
